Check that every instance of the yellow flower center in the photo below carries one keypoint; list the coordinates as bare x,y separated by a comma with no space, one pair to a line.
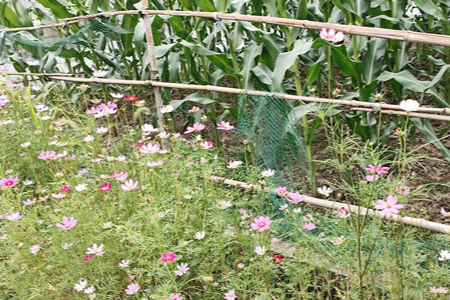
388,206
261,224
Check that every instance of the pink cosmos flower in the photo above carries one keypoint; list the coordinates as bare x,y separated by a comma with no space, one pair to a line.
378,169
29,202
149,148
10,182
35,249
88,257
131,98
105,187
309,226
195,127
124,264
234,164
261,224
444,213
169,256
111,105
388,207
59,195
4,70
12,84
47,156
331,35
206,145
65,189
132,288
282,191
13,216
175,297
231,295
372,178
402,190
92,111
342,213
224,126
67,223
129,185
295,197
120,176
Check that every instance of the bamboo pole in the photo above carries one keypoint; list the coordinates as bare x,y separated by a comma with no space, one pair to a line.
391,34
423,112
433,226
154,70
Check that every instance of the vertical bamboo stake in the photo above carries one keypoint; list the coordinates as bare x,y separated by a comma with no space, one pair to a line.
153,68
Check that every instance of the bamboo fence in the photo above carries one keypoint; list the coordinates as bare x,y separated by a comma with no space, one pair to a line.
391,34
433,226
423,112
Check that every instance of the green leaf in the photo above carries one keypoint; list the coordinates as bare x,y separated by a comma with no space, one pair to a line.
407,80
430,8
428,131
298,113
162,50
57,7
372,60
195,97
251,52
347,66
205,5
313,72
263,73
285,61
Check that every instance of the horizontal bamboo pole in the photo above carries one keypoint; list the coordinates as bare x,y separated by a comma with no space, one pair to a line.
404,113
391,34
356,105
433,226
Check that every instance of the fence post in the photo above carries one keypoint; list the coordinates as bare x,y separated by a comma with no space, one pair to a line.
153,67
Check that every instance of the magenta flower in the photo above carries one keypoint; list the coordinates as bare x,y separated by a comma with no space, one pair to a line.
388,207
66,188
13,216
131,98
195,127
224,126
67,223
149,148
295,197
129,185
47,156
10,182
88,257
378,169
372,178
169,256
105,187
132,288
331,35
175,297
444,213
309,226
282,191
261,224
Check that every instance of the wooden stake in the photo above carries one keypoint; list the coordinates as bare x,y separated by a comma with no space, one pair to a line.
153,66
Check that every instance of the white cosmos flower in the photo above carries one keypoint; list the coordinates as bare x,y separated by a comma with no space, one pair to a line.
101,130
95,249
444,255
26,144
99,73
166,109
268,173
182,269
338,240
326,191
199,235
81,187
234,164
409,105
223,204
260,250
81,285
89,139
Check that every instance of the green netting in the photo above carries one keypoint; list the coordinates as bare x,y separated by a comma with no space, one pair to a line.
276,143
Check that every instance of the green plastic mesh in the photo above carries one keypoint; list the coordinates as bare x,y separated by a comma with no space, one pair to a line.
277,145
